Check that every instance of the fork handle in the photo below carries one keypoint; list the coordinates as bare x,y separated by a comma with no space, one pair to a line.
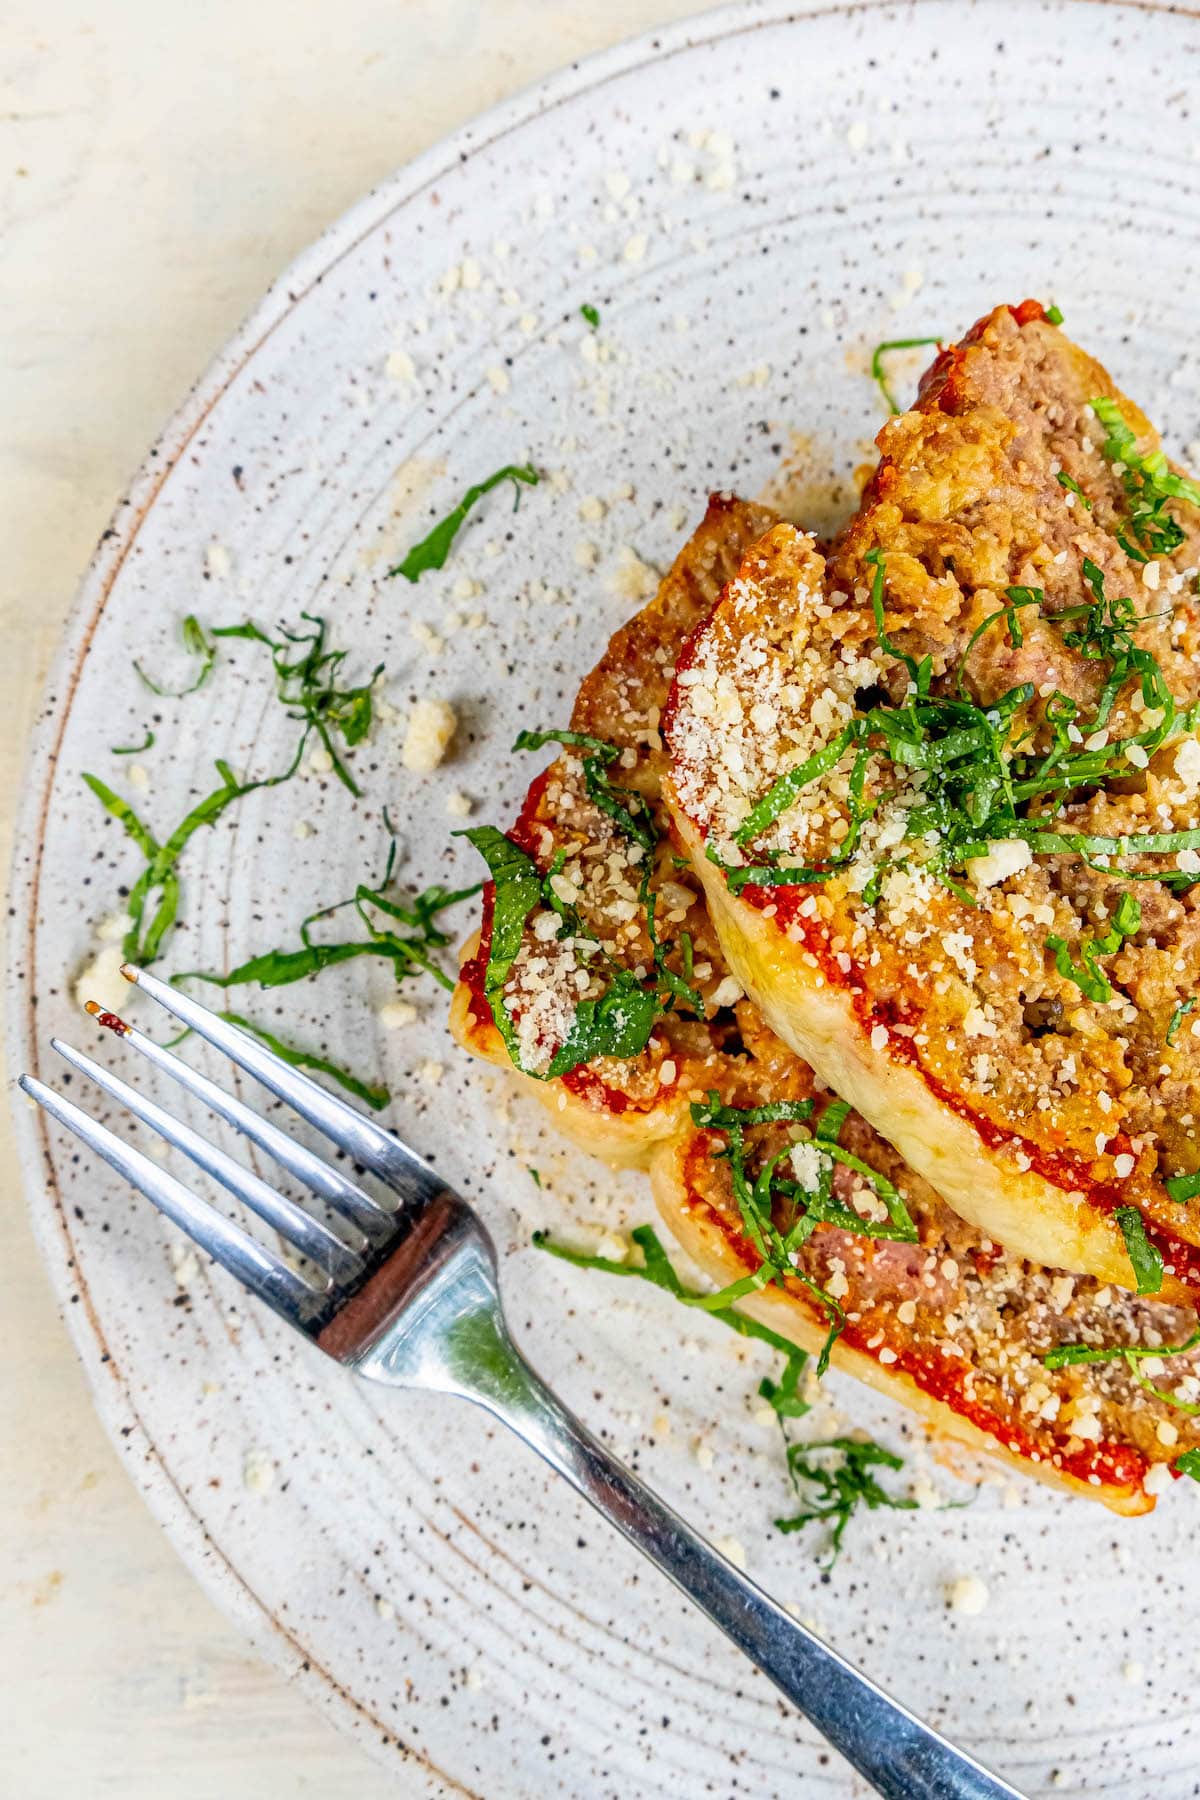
902,1758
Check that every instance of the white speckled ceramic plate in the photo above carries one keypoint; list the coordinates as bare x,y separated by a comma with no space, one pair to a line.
750,202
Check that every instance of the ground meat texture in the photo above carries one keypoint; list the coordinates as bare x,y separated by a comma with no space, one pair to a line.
972,1325
621,703
966,504
905,1302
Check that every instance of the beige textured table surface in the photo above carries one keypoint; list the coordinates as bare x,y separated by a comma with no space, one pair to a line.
158,165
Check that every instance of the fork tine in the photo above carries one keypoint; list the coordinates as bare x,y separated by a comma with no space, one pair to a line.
307,1234
368,1144
258,1269
372,1219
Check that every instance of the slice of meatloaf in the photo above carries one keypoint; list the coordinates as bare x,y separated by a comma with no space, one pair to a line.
943,790
937,1316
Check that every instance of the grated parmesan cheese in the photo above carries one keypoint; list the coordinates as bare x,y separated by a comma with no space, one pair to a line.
431,727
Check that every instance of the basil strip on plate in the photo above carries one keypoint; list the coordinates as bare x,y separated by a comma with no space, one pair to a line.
432,551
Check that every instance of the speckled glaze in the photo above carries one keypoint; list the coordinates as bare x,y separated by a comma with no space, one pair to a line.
878,172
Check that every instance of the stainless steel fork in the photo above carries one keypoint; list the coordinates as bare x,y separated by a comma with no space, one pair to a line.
407,1295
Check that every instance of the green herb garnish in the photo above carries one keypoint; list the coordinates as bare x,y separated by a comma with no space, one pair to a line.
1177,1018
977,782
1053,315
160,877
842,1482
407,953
432,551
832,1486
919,674
1182,1188
517,889
1105,633
1149,482
1188,1464
1066,1356
1146,1259
371,1094
133,749
803,1207
577,740
632,815
196,644
306,683
617,1024
754,1198
591,315
877,370
1016,597
1172,1400
629,811
1090,977
1072,486
783,793
767,874
656,1268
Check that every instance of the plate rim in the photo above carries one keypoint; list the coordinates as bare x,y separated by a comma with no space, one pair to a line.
224,1584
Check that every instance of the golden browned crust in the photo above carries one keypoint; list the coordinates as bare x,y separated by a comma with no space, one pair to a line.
711,1237
944,1014
627,1112
621,701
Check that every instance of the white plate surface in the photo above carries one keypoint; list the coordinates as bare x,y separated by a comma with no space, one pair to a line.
751,202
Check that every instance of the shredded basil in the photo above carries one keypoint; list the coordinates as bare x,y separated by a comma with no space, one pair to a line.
407,953
766,874
632,815
1172,1400
1066,1356
828,1211
1089,977
712,1115
591,315
878,372
1054,315
516,890
843,1481
977,783
1072,486
370,1093
833,1478
160,877
1017,597
920,673
1146,1258
196,644
617,1024
656,1268
133,749
1149,482
806,1207
306,684
579,740
1182,1188
432,551
1177,1018
629,811
1188,1464
783,792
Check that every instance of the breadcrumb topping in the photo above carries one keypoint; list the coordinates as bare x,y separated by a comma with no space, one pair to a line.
982,969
